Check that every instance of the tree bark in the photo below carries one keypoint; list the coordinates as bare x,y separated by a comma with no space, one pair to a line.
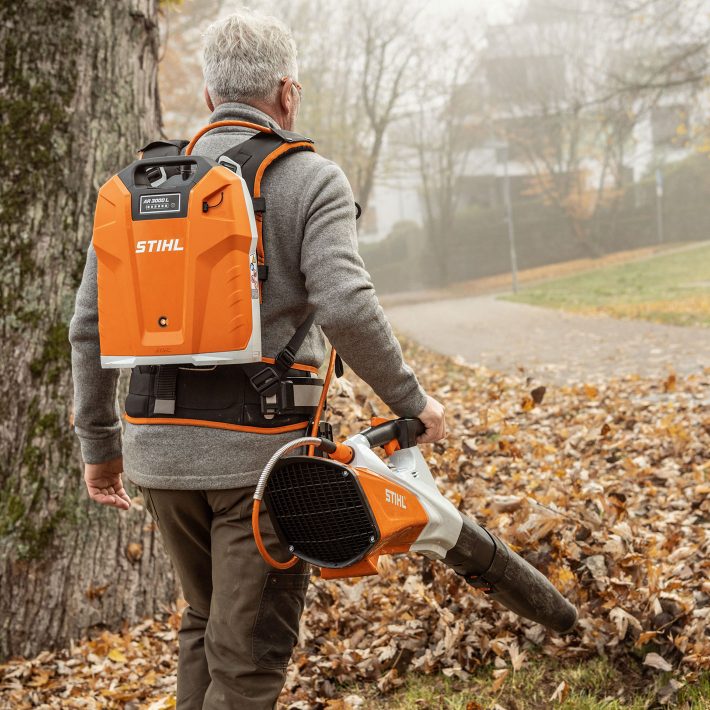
78,97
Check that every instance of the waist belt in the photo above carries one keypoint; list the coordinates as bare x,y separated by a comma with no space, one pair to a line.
224,396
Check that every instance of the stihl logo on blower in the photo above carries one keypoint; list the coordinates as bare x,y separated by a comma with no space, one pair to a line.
343,510
395,498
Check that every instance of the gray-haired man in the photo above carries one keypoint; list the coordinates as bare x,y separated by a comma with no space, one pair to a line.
241,622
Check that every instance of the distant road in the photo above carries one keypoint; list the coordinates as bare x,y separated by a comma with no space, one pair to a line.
552,346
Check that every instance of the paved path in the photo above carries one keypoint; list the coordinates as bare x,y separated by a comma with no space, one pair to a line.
552,346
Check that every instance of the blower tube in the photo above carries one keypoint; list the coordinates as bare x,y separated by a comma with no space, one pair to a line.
487,563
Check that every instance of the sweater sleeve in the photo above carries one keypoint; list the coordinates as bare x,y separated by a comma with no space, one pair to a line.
341,291
96,418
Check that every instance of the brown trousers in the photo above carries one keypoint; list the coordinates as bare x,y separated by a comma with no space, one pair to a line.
241,622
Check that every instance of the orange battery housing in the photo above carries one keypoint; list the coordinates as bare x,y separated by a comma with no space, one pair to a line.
177,266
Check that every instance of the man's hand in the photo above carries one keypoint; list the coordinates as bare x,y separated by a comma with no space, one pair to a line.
103,481
432,416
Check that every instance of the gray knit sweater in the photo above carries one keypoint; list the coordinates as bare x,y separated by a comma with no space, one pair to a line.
310,244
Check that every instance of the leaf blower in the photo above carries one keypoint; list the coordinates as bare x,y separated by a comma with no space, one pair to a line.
343,509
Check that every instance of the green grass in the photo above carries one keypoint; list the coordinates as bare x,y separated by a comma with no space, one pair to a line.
592,685
669,288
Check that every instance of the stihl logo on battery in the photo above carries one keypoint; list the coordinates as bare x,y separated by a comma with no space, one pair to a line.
154,245
395,498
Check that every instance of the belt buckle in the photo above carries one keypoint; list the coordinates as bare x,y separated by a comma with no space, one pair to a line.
279,402
265,380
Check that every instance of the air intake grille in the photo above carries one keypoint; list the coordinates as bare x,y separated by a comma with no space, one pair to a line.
318,507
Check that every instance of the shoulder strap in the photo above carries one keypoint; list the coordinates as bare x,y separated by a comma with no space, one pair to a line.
254,156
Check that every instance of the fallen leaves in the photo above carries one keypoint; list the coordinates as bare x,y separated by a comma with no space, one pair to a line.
110,671
605,488
591,391
670,383
499,678
115,654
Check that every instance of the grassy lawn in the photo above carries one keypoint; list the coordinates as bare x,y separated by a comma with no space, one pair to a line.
590,685
670,288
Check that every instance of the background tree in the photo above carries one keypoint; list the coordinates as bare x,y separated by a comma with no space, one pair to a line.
180,74
438,135
389,42
78,98
353,59
354,74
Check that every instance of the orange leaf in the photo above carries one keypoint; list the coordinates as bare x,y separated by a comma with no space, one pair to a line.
670,383
591,391
500,676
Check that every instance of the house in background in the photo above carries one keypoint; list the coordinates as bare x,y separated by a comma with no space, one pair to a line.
541,86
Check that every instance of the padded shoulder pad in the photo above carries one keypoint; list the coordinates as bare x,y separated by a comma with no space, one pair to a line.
164,149
253,152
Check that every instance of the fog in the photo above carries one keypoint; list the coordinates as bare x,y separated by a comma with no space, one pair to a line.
486,138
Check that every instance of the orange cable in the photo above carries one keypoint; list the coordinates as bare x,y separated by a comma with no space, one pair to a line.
323,396
260,543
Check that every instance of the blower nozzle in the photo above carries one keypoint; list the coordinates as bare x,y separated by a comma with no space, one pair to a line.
487,563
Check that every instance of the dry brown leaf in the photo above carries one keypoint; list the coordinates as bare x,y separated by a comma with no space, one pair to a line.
669,385
96,592
134,551
115,654
538,394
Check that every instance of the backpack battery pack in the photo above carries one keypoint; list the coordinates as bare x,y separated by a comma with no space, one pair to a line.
178,279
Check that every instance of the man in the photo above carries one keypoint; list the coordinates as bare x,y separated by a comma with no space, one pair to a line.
241,622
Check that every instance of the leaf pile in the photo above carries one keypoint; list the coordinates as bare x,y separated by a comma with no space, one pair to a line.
605,488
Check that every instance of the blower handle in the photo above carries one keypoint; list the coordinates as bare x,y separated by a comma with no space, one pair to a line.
404,431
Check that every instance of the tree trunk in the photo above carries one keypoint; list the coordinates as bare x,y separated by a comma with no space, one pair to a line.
78,97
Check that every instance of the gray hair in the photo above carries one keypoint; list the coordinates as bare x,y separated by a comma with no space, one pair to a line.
246,55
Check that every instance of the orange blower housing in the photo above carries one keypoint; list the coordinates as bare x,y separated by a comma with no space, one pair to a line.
177,265
377,516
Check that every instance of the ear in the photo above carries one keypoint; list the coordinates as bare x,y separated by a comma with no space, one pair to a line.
208,100
286,97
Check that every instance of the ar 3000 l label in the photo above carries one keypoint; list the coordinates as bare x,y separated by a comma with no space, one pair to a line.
158,204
